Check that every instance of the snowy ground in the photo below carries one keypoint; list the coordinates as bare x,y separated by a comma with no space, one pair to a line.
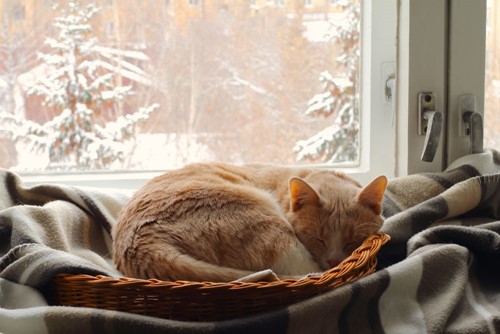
166,151
150,152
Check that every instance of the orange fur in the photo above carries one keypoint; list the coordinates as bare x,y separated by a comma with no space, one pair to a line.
219,222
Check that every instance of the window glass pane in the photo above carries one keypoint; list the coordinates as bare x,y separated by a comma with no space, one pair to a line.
157,84
492,87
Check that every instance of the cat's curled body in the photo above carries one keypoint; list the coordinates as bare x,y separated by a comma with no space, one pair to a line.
220,222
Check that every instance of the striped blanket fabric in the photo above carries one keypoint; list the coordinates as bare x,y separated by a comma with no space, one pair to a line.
439,273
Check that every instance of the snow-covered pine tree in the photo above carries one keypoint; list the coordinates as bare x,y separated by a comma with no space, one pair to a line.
80,91
339,97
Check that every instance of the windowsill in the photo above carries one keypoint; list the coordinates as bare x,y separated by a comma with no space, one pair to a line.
101,179
135,179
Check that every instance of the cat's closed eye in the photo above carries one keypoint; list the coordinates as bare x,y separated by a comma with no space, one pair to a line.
320,242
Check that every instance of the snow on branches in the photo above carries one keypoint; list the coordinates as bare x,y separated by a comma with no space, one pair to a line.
338,142
82,92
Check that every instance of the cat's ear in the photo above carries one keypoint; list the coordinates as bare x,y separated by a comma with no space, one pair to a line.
301,193
372,194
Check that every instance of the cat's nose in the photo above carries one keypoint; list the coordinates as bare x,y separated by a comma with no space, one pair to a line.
334,262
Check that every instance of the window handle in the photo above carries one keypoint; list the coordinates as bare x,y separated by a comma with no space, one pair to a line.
430,124
474,129
432,134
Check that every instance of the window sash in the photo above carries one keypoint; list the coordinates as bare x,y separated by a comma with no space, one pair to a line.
441,51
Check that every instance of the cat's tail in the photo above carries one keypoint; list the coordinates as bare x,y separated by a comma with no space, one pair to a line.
183,266
165,262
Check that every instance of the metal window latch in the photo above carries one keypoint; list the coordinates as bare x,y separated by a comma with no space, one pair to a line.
389,88
471,123
430,124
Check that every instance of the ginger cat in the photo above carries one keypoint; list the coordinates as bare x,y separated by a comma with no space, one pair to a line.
219,222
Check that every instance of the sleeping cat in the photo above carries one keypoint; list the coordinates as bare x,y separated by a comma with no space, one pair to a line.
220,222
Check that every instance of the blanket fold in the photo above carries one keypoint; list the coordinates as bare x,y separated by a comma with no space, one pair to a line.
439,273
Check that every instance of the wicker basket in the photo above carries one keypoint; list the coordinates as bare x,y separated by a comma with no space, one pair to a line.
209,301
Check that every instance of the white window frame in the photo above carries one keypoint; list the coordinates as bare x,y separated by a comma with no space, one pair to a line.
378,56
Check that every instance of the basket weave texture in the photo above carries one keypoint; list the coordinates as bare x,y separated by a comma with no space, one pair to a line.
210,301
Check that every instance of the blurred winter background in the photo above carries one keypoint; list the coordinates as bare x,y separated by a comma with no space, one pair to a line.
122,84
156,84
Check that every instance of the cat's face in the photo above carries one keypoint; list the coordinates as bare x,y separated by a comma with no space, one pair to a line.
332,216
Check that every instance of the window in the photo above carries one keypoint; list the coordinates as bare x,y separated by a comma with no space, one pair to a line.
229,90
218,103
444,72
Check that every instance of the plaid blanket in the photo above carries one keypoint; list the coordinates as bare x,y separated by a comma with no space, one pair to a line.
439,273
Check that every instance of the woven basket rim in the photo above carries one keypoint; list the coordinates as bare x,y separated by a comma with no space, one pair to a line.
356,260
209,301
